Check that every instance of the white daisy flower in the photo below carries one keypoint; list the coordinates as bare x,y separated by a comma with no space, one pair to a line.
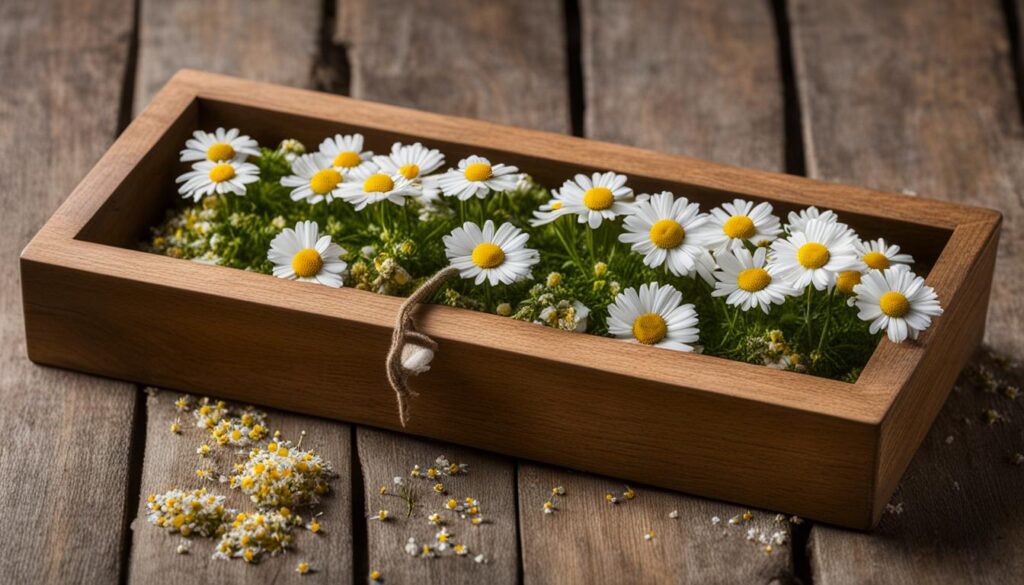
345,152
219,145
412,161
476,177
798,221
898,301
816,254
208,177
740,221
654,316
303,254
749,280
314,179
367,185
878,255
664,230
706,267
500,256
592,199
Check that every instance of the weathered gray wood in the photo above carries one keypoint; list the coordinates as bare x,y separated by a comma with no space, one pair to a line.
500,61
702,79
905,95
384,456
697,78
275,41
504,62
64,464
171,463
271,40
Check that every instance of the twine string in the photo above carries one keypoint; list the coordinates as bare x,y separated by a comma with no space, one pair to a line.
405,333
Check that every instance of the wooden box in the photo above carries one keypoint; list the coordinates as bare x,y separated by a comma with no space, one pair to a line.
779,440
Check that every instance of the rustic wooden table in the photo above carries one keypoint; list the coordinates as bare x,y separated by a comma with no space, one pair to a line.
894,94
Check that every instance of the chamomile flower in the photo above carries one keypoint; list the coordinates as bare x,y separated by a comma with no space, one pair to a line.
654,315
749,280
664,230
412,161
219,145
367,185
898,301
593,199
798,220
208,177
314,179
495,256
345,152
740,221
878,255
303,254
476,177
816,254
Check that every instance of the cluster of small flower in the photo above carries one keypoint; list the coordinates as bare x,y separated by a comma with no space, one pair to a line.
282,474
189,513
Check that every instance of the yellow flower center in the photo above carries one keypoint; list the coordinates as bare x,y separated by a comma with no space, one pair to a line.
650,328
847,280
488,255
894,304
598,198
812,255
555,205
220,151
739,227
324,181
667,233
409,171
753,279
378,183
477,172
347,159
221,173
307,262
876,260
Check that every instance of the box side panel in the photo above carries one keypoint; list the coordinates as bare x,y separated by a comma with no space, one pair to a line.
761,455
919,401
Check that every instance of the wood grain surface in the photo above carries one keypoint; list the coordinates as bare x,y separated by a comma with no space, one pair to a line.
681,100
171,462
270,40
902,95
384,456
64,464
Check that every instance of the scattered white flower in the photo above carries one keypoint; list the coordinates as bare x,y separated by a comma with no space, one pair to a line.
654,316
303,254
494,256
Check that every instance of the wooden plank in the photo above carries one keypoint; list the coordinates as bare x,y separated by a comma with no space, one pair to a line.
65,463
499,61
901,96
696,78
384,456
171,462
466,58
702,79
269,40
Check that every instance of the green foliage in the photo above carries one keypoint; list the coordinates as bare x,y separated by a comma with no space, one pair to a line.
392,249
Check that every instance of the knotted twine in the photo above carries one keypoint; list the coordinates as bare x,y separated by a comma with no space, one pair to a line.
405,335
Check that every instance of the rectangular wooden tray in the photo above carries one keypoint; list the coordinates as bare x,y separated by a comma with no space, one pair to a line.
784,441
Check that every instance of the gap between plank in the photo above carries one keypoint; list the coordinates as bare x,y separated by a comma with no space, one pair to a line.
124,114
1012,15
793,132
331,70
573,41
133,490
360,540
